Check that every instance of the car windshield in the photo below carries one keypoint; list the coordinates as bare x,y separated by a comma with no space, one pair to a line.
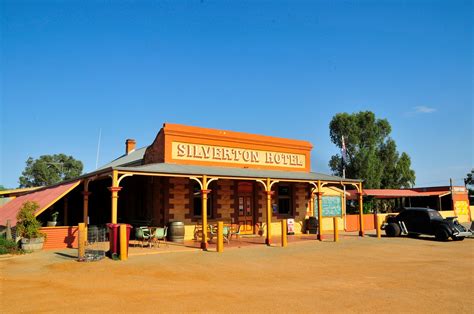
434,214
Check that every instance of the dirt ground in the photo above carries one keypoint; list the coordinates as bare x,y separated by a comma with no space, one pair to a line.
354,275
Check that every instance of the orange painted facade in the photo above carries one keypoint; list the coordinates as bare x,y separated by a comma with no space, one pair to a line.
228,141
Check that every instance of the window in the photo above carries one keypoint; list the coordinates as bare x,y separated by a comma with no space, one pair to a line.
197,203
435,215
285,199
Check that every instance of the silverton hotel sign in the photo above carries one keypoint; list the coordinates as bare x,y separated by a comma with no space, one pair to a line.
199,152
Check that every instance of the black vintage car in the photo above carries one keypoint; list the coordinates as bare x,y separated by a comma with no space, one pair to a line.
415,221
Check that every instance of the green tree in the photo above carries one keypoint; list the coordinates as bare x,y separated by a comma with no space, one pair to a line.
371,154
50,169
2,188
469,182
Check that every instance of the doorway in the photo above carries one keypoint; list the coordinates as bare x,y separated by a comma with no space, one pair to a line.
245,207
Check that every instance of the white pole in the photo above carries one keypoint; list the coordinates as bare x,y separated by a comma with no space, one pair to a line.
98,148
344,199
344,187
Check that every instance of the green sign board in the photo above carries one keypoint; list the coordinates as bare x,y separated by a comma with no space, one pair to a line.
332,206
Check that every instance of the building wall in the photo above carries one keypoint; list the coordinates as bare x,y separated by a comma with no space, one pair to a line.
300,203
155,152
461,206
60,237
179,208
225,200
179,200
156,187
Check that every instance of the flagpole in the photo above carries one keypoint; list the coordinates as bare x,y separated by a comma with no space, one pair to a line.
344,185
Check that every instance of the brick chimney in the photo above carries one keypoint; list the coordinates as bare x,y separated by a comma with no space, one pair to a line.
129,146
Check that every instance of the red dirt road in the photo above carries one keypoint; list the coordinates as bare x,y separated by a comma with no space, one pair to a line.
354,275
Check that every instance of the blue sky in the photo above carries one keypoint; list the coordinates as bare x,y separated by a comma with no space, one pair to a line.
69,69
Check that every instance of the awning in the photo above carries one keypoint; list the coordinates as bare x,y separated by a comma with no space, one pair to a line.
231,172
396,193
45,198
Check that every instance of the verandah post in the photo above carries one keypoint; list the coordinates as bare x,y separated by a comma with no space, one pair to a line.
81,241
320,212
361,212
66,210
204,193
114,189
85,195
269,213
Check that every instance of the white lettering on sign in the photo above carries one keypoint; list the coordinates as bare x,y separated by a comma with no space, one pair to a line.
188,151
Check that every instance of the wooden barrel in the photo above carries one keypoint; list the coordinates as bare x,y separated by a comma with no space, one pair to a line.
176,231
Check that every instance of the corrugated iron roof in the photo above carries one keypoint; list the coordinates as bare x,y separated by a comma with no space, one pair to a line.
168,168
394,193
132,158
14,192
45,198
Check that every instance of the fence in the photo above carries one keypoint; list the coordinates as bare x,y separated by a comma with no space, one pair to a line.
97,243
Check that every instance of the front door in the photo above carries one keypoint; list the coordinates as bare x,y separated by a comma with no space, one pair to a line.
245,212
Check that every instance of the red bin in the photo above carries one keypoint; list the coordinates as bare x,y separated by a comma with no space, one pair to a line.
113,238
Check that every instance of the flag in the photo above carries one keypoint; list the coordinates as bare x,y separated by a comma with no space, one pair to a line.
343,152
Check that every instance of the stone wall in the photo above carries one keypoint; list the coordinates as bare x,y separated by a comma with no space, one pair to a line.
178,199
179,206
225,203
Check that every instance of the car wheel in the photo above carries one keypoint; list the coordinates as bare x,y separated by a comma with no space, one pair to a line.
441,234
392,230
457,238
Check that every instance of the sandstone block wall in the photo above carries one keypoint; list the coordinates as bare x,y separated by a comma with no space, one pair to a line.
225,203
178,199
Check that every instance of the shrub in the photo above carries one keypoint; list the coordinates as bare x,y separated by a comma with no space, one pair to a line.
27,226
9,246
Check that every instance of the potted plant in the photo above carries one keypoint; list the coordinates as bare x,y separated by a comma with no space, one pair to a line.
54,219
28,228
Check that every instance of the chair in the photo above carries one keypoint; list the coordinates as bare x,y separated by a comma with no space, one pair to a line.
212,231
143,234
226,232
235,231
198,231
160,235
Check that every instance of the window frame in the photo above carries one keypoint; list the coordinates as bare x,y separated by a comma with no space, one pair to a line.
290,197
210,201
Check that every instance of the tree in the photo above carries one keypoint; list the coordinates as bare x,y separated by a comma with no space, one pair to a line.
2,188
50,169
371,154
469,182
